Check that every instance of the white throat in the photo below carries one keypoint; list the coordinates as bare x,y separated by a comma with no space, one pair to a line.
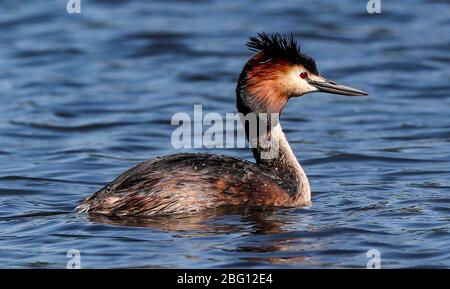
284,162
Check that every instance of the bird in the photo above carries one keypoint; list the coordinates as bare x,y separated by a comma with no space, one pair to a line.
188,183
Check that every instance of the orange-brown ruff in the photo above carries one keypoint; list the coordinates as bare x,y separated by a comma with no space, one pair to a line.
188,183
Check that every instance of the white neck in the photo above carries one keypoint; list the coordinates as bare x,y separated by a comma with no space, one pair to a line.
284,162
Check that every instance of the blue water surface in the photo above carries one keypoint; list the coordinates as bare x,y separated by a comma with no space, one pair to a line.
85,96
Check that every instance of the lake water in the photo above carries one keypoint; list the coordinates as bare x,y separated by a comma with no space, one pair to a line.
85,96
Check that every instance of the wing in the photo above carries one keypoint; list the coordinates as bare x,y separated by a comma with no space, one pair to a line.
183,183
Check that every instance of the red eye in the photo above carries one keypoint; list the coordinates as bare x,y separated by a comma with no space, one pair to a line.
304,75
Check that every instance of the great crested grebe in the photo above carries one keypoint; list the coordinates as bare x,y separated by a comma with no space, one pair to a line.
188,183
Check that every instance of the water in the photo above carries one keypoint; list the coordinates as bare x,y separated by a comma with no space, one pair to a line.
84,97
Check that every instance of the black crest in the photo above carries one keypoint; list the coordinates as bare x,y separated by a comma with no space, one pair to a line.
282,47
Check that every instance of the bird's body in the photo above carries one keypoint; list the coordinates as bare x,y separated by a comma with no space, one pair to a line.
188,183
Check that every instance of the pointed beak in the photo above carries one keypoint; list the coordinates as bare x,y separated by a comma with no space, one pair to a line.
325,85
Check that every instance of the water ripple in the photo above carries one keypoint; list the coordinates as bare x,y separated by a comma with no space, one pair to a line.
84,97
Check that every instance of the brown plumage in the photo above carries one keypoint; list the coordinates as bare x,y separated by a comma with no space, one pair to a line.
189,183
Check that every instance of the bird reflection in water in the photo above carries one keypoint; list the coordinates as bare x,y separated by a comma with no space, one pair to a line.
273,243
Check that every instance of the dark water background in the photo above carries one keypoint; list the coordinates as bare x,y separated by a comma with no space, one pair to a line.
84,97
